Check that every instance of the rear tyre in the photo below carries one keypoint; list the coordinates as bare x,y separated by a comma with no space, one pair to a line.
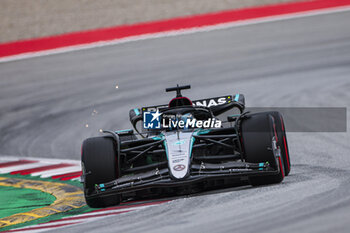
100,165
257,132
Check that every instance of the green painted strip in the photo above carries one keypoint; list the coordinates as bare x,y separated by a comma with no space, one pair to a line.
17,200
60,215
57,216
67,197
72,202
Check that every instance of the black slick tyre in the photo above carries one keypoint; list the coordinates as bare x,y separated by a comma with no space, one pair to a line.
257,131
282,140
100,165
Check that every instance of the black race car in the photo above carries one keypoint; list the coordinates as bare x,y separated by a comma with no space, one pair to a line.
185,147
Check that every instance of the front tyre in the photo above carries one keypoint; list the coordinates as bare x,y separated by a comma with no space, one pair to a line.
258,133
282,140
100,165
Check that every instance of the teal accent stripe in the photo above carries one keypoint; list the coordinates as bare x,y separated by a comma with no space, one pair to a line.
201,131
166,149
165,145
122,130
136,110
261,165
191,145
237,97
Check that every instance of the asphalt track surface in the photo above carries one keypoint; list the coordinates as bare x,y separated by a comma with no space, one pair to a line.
46,102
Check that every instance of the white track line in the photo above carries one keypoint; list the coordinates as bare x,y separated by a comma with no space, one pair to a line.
21,167
57,223
45,228
92,216
175,33
9,159
113,211
44,160
56,171
59,171
39,162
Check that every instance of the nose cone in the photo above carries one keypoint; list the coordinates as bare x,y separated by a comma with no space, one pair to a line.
178,146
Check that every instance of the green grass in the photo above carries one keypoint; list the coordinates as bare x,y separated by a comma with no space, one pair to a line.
42,202
17,200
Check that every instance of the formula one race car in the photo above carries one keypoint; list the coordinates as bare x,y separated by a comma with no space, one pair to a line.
185,147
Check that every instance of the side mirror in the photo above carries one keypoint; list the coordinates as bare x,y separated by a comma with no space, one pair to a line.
135,116
232,118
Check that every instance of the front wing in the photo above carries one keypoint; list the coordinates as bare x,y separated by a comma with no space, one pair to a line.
202,176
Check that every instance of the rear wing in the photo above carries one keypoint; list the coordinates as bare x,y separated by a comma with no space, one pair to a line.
210,102
217,105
